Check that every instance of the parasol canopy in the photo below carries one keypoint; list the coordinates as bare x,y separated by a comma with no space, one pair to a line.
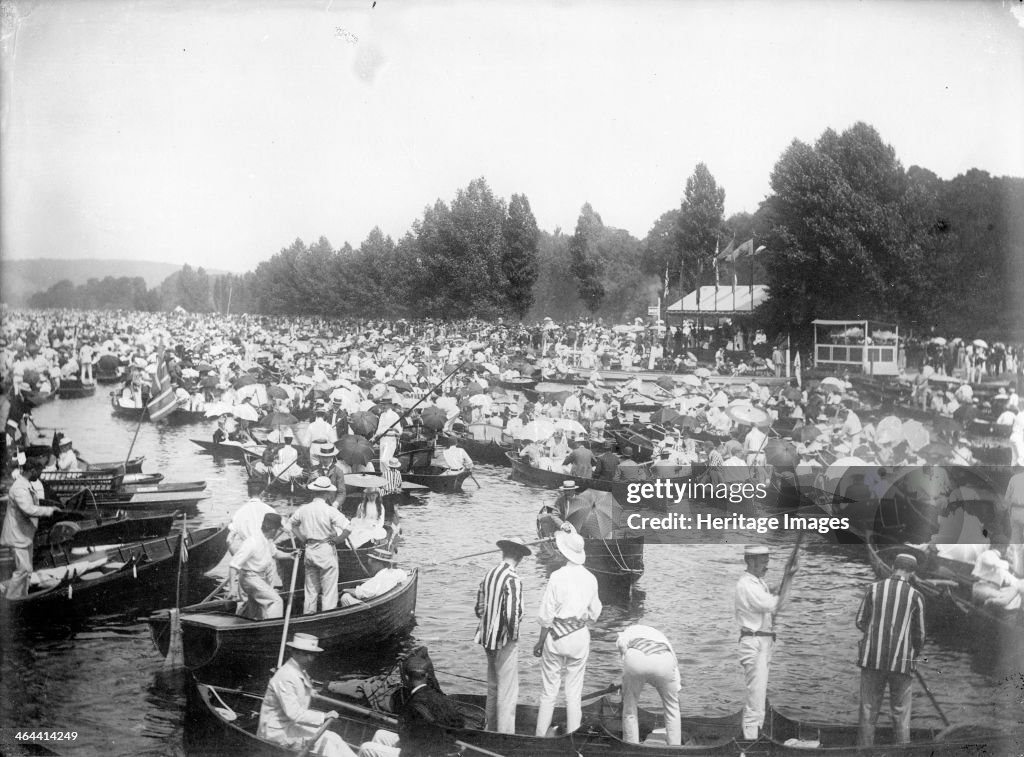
748,414
691,379
277,392
354,450
834,383
244,380
363,422
277,418
400,385
570,425
915,435
980,343
434,418
889,431
594,514
245,412
665,383
939,340
257,392
365,481
665,415
781,453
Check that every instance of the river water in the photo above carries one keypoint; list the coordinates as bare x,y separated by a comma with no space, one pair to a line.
108,683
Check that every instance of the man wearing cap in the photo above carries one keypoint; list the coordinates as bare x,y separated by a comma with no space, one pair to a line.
389,427
251,565
319,526
499,605
648,657
756,605
570,600
891,616
386,576
286,717
391,472
324,456
287,465
20,522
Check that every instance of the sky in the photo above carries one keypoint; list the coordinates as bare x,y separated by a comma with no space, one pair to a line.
216,133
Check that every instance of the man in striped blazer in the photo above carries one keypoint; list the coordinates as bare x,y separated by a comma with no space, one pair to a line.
499,605
891,616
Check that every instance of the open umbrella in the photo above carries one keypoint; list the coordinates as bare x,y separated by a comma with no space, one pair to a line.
665,415
363,422
434,418
980,343
246,412
690,379
915,435
748,414
479,400
781,453
939,340
108,363
570,425
244,380
594,514
538,430
257,392
834,383
490,367
889,431
665,383
213,409
400,385
936,451
700,372
303,379
354,450
275,419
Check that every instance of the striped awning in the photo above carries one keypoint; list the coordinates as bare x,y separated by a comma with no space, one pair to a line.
721,300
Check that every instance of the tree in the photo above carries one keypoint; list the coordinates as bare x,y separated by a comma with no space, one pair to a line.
583,251
519,261
699,223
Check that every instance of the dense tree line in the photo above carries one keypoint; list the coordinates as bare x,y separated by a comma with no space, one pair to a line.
846,232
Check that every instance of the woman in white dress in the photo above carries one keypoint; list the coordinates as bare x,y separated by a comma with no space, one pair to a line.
368,523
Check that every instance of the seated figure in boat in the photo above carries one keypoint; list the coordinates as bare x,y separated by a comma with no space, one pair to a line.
453,458
996,587
386,576
367,525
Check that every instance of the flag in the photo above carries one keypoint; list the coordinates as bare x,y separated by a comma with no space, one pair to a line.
747,248
162,401
184,548
727,254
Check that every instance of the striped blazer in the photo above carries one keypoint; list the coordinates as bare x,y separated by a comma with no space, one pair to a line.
891,616
499,605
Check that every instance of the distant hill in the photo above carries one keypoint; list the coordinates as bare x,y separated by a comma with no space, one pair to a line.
20,279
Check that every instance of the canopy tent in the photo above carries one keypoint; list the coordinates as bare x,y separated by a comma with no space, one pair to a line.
870,345
720,301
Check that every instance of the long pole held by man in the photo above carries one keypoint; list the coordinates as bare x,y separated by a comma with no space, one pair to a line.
756,604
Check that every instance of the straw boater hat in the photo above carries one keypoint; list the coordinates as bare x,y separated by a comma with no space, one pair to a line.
394,462
326,450
515,546
65,442
321,484
382,555
753,550
571,546
305,642
568,486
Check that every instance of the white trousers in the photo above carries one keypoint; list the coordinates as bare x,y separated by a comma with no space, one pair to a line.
295,736
565,659
755,656
384,744
17,586
262,603
321,565
388,446
502,687
661,671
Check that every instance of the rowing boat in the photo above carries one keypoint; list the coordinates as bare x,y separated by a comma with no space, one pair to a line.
212,631
75,388
123,578
234,450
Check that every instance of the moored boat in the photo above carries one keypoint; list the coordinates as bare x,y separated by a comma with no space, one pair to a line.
211,630
75,388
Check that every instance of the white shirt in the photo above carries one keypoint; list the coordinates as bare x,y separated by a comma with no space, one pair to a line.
384,581
318,521
754,603
456,457
256,555
23,513
248,519
571,593
321,429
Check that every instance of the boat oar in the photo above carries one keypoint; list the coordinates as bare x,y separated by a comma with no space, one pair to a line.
787,577
380,433
214,593
474,480
316,736
485,552
296,556
920,678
